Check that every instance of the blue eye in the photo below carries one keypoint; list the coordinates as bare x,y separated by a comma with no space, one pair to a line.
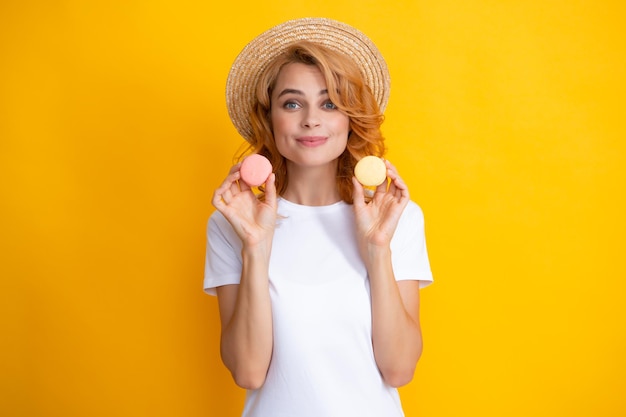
329,105
291,105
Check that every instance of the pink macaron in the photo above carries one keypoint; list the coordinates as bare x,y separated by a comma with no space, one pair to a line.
255,169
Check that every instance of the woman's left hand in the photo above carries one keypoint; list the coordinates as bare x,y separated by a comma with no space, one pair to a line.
376,220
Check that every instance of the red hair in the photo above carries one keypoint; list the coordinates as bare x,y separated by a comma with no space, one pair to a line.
346,89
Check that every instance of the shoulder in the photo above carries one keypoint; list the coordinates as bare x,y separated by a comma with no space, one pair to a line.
217,219
412,214
411,224
218,228
217,222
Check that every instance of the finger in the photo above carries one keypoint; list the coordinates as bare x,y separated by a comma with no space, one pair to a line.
233,176
231,181
393,190
242,186
217,200
401,186
382,188
401,191
398,187
390,167
270,190
394,181
235,187
219,192
227,191
234,168
392,171
358,196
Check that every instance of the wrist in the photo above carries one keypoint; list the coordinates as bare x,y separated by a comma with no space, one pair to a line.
377,256
257,250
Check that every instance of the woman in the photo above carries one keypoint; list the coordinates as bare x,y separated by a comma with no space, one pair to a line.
317,279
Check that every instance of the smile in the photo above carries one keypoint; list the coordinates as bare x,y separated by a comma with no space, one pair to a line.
312,141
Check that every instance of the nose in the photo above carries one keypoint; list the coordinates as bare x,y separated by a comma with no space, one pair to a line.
311,118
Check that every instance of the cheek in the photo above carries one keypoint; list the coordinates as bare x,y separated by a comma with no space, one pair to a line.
278,124
342,124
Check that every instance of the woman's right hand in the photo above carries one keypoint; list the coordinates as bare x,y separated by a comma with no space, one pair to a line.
252,219
245,308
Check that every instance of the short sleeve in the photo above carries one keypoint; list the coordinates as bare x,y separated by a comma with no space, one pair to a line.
223,254
408,248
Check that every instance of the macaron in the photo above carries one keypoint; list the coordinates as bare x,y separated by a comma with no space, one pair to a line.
255,169
371,171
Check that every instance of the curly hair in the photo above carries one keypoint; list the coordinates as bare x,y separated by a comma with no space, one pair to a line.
346,89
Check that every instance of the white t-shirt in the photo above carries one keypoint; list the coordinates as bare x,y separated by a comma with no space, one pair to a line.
322,361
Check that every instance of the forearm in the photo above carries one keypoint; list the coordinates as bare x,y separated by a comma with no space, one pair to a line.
247,340
396,334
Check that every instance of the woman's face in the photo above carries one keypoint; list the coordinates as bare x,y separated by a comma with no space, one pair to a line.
308,129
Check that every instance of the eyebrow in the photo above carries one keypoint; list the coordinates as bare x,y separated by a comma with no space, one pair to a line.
298,92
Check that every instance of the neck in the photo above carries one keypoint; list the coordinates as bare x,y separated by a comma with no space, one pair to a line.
312,186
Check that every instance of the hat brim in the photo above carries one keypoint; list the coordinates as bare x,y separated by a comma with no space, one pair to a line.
256,56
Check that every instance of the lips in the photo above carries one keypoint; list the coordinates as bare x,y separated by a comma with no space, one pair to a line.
312,141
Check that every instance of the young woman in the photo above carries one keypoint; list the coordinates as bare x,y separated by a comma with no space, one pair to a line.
317,279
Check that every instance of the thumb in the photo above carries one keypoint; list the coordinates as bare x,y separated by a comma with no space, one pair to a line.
358,196
270,190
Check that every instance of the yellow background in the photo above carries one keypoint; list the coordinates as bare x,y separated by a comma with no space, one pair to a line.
505,118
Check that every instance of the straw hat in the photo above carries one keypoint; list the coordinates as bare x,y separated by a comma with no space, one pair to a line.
254,58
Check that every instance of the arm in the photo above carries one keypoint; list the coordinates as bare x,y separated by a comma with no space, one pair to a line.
245,309
396,333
